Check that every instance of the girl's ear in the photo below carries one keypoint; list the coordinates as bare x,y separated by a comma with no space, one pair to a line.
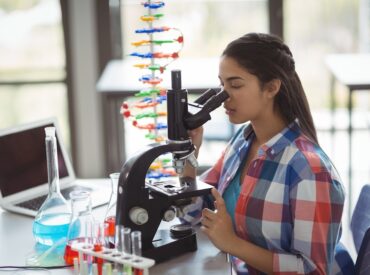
273,87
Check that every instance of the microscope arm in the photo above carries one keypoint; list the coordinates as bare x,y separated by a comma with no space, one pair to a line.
132,193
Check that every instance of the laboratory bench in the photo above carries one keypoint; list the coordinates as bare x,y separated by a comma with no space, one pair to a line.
16,243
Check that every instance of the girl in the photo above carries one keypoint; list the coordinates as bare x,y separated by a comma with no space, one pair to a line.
279,200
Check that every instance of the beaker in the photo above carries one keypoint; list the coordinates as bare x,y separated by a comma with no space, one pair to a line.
81,225
110,216
52,219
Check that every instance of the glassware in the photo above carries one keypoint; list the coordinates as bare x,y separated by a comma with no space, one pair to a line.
136,249
81,225
99,244
110,216
118,245
125,233
52,220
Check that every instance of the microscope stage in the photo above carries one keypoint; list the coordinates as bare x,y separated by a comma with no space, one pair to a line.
177,188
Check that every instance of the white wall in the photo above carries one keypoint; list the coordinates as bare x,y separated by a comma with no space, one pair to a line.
87,104
364,25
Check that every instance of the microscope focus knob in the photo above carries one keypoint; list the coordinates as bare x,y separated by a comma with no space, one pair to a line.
169,214
138,215
193,160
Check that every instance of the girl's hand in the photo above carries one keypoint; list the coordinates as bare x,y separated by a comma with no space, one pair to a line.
217,225
196,136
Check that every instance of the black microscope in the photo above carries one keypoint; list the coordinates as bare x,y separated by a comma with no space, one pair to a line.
141,203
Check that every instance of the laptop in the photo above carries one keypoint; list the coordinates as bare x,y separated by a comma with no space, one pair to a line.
23,170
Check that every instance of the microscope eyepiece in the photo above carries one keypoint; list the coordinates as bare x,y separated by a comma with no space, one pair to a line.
212,101
205,96
176,79
215,101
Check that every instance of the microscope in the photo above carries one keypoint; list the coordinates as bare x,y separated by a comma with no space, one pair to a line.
141,203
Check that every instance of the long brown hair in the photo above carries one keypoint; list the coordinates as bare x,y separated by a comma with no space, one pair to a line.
267,57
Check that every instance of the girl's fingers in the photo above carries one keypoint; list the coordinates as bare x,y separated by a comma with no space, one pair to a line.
208,213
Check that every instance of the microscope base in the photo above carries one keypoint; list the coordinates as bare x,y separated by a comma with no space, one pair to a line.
164,247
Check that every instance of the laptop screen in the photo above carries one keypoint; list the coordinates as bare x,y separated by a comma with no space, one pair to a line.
23,160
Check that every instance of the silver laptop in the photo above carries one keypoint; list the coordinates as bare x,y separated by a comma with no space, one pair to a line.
23,170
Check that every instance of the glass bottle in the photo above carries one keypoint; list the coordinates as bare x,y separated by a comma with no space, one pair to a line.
51,223
81,225
110,216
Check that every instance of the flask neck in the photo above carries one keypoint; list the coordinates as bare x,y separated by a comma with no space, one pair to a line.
52,164
114,177
81,207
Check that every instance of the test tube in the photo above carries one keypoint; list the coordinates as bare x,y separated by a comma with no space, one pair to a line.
98,239
107,269
95,270
136,249
88,241
126,237
76,267
84,268
118,244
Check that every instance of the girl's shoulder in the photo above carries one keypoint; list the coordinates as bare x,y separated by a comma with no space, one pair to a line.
310,158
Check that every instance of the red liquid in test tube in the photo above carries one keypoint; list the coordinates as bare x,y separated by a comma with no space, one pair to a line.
99,236
111,221
97,260
70,254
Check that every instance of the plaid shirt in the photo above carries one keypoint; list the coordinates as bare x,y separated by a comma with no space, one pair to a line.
291,199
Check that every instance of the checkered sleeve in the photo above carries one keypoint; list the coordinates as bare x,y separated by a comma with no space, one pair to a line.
316,205
212,175
191,214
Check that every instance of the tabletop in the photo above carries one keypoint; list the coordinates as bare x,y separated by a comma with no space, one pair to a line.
17,243
119,76
352,70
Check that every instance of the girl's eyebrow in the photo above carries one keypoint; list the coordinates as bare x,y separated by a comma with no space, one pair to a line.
231,78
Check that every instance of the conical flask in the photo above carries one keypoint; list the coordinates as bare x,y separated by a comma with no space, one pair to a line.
52,220
81,226
110,216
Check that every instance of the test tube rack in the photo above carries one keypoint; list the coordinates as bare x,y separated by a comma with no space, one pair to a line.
115,256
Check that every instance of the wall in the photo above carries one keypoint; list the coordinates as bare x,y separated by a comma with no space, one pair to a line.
87,113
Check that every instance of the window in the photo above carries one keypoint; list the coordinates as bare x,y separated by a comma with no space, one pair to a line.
314,30
207,26
32,63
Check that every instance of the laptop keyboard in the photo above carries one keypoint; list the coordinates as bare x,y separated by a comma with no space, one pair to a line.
35,203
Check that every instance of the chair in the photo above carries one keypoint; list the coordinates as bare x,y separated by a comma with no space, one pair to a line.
360,224
360,221
362,266
343,263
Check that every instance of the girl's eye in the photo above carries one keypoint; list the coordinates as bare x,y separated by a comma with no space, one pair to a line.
236,86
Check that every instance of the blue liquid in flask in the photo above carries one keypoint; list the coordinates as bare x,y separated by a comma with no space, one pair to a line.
50,228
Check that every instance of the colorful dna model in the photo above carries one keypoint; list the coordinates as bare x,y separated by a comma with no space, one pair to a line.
148,111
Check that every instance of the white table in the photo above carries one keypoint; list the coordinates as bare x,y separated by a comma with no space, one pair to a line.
353,71
16,241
